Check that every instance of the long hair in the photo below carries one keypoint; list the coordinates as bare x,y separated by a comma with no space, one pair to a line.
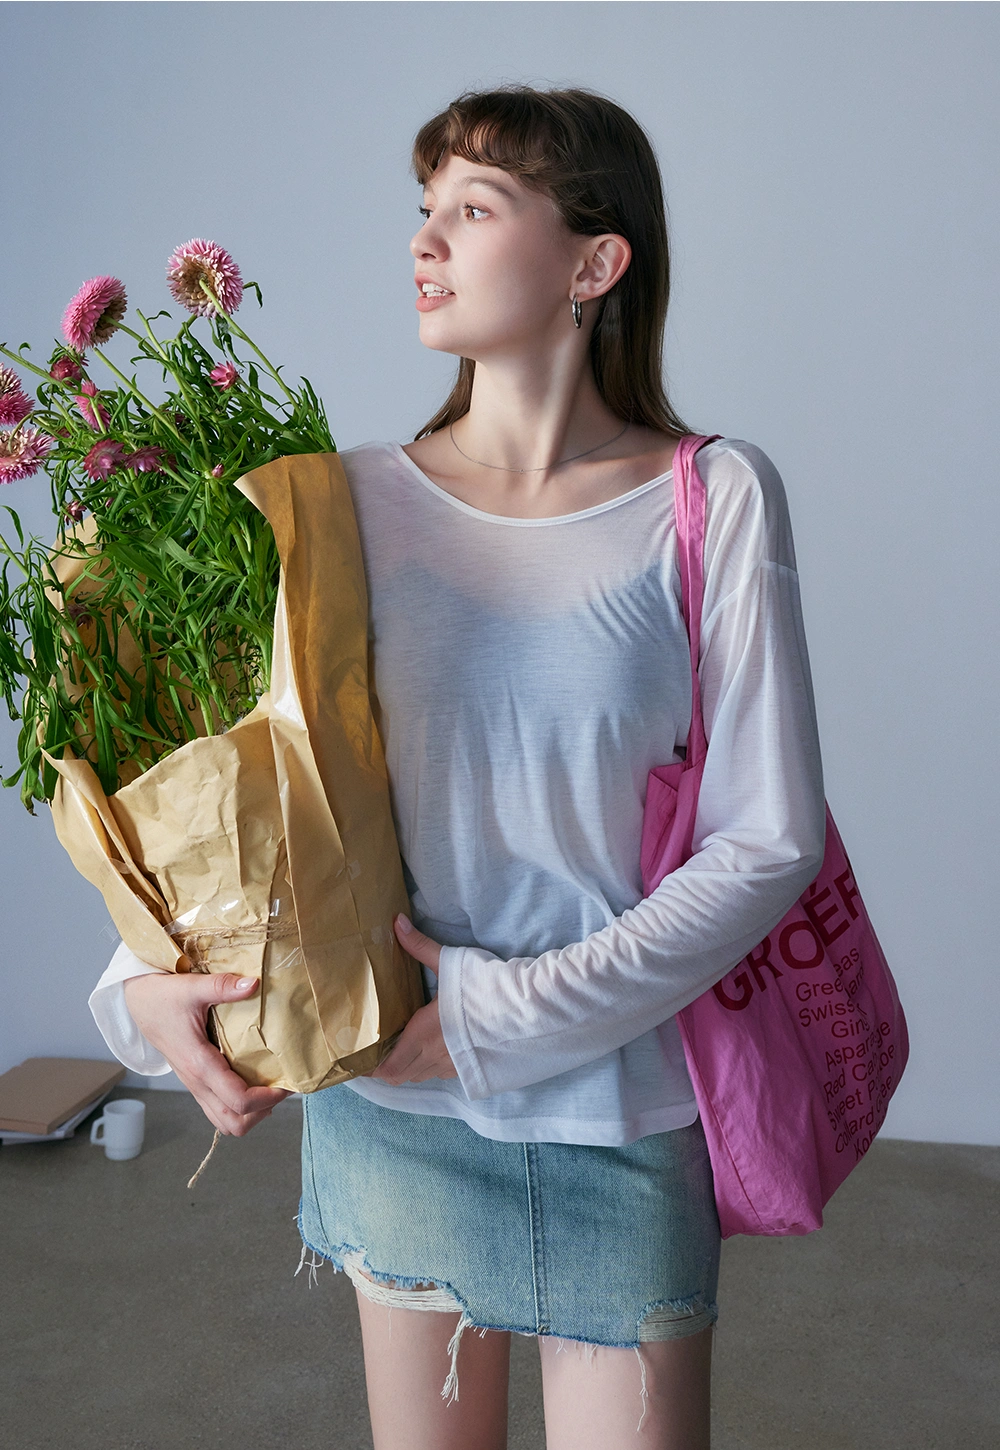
597,165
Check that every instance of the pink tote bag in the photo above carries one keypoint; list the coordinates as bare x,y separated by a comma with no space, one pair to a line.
795,1054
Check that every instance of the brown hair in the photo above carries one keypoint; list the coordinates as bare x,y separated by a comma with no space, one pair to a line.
596,163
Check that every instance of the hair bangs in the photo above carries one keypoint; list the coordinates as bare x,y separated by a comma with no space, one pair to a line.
493,129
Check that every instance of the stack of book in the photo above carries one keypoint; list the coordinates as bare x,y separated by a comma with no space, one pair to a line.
44,1098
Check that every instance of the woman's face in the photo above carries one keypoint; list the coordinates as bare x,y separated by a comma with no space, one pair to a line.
505,256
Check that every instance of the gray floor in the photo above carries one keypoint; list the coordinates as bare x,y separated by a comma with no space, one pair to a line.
137,1315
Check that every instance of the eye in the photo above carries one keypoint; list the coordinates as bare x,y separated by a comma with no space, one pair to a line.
425,211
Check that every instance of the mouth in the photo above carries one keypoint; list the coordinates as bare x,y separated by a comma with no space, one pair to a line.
432,296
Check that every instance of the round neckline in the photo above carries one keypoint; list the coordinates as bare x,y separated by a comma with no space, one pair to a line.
468,508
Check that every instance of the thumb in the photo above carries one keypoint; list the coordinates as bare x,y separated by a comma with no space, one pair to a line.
420,947
227,987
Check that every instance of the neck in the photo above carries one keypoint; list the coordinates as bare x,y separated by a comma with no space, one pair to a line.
525,417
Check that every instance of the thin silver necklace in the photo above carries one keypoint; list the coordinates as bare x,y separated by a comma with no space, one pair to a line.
541,466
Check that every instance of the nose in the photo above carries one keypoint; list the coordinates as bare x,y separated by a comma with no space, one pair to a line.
425,243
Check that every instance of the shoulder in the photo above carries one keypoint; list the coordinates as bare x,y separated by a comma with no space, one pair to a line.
367,457
372,471
738,472
746,507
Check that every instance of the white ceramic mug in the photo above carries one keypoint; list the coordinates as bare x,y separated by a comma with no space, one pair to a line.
123,1122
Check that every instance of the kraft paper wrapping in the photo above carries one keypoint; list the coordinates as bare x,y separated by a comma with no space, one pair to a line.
270,850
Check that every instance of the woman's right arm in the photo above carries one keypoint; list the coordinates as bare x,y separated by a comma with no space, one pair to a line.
154,1021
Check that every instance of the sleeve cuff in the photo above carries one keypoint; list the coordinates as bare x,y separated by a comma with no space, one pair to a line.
117,1027
454,962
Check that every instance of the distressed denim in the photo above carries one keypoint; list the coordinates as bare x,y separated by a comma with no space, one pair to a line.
606,1245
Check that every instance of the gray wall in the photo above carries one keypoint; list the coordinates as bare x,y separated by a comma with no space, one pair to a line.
830,171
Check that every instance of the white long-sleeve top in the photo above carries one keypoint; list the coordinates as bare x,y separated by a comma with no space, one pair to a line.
530,672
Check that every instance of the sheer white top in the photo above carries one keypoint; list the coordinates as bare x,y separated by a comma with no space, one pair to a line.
530,672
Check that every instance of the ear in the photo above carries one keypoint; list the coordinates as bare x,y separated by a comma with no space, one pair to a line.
607,259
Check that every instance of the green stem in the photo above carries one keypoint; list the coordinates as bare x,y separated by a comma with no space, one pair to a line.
164,359
79,654
206,714
59,406
209,664
139,337
249,342
194,410
141,499
168,423
23,361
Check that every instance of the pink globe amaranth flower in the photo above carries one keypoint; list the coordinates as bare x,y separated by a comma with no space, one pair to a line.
218,471
75,510
200,261
224,376
94,313
66,369
144,460
15,405
104,458
89,409
22,453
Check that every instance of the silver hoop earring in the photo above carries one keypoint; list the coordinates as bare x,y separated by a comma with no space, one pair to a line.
577,311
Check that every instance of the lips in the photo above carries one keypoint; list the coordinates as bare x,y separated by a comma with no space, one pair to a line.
422,280
431,301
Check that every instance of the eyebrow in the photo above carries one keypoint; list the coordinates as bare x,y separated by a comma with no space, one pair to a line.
481,181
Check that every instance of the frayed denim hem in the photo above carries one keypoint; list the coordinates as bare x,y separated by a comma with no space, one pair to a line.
394,1291
661,1320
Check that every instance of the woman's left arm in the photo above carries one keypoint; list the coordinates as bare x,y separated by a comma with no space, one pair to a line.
758,837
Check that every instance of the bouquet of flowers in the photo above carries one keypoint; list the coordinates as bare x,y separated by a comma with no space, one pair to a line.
189,661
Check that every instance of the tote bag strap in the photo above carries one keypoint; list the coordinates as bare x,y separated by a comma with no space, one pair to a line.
689,508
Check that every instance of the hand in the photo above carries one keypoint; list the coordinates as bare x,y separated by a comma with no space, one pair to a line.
171,1011
419,1052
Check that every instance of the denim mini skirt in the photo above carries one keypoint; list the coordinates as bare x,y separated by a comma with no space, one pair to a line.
605,1245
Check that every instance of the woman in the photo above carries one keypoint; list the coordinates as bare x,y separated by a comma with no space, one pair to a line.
528,1158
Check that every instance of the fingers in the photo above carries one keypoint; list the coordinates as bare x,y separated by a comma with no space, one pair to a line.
205,1070
171,1012
208,1066
224,1097
418,1068
395,1067
222,987
420,947
221,1116
158,998
420,1052
218,1113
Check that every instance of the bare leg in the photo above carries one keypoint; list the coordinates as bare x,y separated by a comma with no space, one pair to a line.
406,1362
593,1395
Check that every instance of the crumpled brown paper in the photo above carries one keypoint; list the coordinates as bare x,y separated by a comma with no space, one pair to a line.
270,850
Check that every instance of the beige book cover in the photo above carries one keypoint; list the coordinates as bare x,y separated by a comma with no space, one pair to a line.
42,1092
